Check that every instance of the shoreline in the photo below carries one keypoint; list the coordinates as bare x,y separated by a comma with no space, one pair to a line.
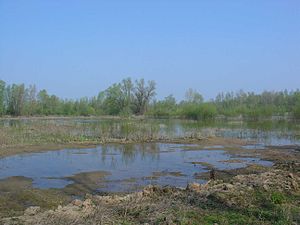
6,151
237,200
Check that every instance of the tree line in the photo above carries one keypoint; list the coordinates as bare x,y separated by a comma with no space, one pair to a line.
138,98
124,98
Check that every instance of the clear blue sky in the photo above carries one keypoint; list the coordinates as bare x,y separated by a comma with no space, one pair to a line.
77,48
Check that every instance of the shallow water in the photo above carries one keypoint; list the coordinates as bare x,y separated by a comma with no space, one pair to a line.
130,166
270,132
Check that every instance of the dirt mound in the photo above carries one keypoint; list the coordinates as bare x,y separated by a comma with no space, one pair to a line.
155,205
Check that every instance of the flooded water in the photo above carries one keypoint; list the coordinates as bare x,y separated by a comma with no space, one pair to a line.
262,132
128,167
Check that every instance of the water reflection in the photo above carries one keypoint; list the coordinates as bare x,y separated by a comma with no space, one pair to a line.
264,132
141,164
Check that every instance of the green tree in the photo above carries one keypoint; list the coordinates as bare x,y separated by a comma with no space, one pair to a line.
114,100
49,105
296,108
127,96
164,108
84,108
68,108
30,107
15,98
2,94
43,100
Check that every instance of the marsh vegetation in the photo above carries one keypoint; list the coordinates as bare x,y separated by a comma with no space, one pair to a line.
41,131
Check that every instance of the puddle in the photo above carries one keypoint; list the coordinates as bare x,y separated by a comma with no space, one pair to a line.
254,147
109,168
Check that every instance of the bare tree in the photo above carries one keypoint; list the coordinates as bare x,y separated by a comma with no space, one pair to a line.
142,95
193,96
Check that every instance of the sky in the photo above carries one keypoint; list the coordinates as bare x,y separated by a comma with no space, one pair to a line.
80,47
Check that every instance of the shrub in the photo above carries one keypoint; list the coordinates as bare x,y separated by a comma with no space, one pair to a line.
204,111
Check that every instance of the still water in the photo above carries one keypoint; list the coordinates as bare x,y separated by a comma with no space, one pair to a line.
129,166
266,132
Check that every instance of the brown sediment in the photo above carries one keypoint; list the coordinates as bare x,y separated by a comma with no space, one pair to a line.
226,175
231,201
17,193
232,161
86,182
205,164
23,149
168,173
272,154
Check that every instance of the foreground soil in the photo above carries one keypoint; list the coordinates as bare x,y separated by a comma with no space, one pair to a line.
270,197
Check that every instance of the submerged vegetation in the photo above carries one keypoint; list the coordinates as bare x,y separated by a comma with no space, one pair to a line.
138,98
93,130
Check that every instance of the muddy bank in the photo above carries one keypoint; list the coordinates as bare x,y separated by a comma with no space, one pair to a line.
16,194
266,198
210,141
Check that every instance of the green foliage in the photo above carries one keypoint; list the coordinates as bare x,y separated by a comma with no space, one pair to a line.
227,218
296,111
256,106
127,98
114,101
204,111
2,92
277,198
296,108
49,105
269,208
15,98
258,112
164,108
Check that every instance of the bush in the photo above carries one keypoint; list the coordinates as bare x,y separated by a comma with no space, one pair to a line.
296,111
204,111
